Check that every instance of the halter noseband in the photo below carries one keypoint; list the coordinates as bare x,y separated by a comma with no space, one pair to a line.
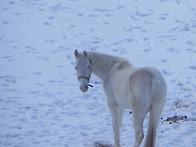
84,77
87,78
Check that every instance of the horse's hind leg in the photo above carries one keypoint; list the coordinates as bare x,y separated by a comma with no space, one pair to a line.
138,119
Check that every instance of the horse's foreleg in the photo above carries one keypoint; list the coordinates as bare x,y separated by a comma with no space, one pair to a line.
117,114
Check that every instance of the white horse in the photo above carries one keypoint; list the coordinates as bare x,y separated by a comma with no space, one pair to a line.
141,90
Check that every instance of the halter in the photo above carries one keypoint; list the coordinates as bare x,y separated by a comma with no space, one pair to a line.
85,77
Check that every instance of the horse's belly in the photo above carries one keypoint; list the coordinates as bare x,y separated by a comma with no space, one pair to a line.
121,92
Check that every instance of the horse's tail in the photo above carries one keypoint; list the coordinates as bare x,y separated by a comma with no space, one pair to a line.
159,90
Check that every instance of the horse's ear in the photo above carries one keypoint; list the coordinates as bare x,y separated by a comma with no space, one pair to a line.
85,54
76,53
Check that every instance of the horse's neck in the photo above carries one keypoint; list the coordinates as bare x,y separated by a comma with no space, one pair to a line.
102,64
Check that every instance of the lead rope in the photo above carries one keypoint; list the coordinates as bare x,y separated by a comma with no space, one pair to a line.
90,85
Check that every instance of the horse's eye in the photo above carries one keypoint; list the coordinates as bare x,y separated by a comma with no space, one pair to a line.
76,68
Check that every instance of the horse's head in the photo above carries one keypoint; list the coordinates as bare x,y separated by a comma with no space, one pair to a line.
83,68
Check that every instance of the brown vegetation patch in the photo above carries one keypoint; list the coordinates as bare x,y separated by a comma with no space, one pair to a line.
98,144
176,119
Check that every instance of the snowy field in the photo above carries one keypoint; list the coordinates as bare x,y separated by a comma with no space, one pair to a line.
40,101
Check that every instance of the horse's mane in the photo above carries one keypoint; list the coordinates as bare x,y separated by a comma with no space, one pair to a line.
109,59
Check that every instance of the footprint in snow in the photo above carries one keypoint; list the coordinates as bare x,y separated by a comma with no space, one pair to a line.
47,23
193,67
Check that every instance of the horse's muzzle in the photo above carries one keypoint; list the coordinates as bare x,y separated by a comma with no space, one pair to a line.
84,88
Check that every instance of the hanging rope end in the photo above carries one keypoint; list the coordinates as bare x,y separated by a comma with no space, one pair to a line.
90,85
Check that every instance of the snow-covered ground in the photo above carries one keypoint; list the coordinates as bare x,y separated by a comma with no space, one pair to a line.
40,102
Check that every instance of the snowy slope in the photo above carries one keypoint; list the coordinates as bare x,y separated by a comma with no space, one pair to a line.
40,102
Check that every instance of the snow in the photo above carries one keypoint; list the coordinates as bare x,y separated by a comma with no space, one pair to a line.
40,101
